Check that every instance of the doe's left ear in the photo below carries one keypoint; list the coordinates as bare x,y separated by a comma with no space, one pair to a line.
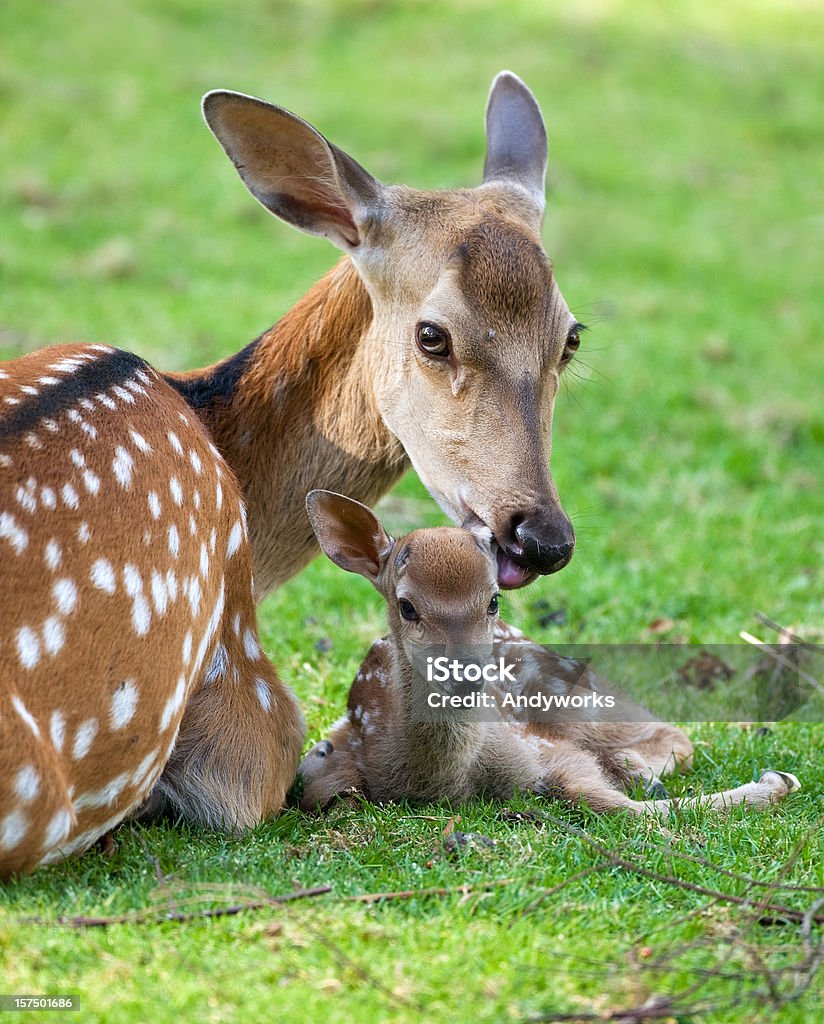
349,533
516,141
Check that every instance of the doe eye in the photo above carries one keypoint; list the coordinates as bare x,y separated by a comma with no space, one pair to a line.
407,610
432,340
493,606
573,342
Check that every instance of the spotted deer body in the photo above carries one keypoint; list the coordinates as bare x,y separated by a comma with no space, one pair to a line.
441,591
127,604
439,338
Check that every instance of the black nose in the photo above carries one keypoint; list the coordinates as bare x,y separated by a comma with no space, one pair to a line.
544,545
322,749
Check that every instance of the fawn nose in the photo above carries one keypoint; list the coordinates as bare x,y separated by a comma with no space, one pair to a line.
323,749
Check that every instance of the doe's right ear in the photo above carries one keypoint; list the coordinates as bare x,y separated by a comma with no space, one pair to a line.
349,533
291,169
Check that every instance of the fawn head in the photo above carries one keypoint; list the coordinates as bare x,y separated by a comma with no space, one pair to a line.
440,584
469,332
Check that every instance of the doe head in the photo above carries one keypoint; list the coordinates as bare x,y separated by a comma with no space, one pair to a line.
469,333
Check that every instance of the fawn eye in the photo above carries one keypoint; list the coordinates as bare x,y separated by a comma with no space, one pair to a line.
432,340
493,606
573,342
407,610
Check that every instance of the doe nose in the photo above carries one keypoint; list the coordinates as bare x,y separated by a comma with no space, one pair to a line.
323,749
545,546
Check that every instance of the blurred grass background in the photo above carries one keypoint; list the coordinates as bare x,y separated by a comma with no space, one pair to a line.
686,224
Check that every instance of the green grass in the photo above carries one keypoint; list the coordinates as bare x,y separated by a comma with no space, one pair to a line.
686,224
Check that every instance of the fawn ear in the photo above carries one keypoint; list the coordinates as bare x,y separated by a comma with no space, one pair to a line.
349,533
292,169
516,143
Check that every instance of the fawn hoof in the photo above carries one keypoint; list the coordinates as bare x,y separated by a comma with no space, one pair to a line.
785,782
654,789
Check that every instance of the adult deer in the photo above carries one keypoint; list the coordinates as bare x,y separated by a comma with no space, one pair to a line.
129,660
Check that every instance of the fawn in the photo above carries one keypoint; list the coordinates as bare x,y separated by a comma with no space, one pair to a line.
129,657
441,589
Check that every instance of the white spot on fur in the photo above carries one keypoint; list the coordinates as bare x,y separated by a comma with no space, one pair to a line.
54,635
64,593
105,400
174,441
173,705
159,594
219,496
48,498
197,465
27,783
264,694
26,499
144,767
174,542
14,534
53,555
13,829
57,829
83,738
91,481
187,648
124,704
69,495
250,645
123,394
104,797
84,533
194,594
234,540
57,730
154,504
176,491
139,440
218,665
28,647
25,714
122,465
103,576
204,561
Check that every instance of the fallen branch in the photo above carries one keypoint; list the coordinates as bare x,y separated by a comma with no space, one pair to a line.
410,894
158,916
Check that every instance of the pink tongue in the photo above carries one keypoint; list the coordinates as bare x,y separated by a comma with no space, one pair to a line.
510,574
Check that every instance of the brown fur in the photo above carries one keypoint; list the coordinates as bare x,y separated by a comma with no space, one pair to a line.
127,562
387,750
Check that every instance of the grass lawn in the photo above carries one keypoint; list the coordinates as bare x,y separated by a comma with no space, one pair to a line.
686,224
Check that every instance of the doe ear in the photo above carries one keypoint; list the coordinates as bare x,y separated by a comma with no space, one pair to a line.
516,142
349,533
292,169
